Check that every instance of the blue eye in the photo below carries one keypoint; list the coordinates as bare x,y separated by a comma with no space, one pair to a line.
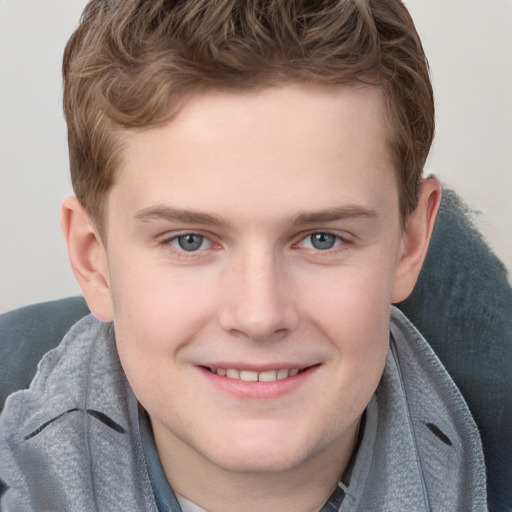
322,241
189,242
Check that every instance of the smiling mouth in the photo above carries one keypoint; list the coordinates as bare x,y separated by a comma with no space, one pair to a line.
253,376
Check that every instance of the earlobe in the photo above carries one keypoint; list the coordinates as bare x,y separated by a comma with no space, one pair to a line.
416,238
88,258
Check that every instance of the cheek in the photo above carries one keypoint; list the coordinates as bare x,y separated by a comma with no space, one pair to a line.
353,311
354,299
156,314
151,295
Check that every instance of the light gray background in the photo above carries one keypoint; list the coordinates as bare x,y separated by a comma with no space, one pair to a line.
469,44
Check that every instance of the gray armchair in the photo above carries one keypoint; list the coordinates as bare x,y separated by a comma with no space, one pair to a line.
462,304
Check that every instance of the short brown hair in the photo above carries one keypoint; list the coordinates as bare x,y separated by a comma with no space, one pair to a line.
130,64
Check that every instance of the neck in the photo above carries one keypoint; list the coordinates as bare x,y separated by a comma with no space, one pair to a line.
304,487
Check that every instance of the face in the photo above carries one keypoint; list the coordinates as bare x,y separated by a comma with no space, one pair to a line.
252,245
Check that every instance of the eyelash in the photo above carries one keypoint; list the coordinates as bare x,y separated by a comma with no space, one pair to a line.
340,243
167,243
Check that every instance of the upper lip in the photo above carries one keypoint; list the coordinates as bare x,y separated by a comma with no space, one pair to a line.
258,367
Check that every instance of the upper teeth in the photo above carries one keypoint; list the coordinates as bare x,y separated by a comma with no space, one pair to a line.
250,376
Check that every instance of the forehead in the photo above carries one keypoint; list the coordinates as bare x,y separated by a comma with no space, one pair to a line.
286,144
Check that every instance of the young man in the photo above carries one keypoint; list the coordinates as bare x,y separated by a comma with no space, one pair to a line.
249,204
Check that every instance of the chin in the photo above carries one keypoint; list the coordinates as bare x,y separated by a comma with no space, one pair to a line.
257,461
260,453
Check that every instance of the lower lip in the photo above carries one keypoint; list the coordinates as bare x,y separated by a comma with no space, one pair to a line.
259,390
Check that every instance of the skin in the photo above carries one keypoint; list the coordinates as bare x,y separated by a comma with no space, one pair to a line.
254,175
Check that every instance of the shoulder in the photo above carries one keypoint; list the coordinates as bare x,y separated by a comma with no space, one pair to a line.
63,376
445,434
76,423
27,333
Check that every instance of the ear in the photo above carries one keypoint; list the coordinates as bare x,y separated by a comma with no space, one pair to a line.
88,258
415,239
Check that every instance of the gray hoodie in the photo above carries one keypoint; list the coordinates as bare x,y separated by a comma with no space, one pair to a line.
72,441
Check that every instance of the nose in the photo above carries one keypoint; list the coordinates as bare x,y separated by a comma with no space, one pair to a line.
258,301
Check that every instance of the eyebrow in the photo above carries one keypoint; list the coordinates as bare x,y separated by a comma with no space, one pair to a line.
334,214
166,213
160,212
